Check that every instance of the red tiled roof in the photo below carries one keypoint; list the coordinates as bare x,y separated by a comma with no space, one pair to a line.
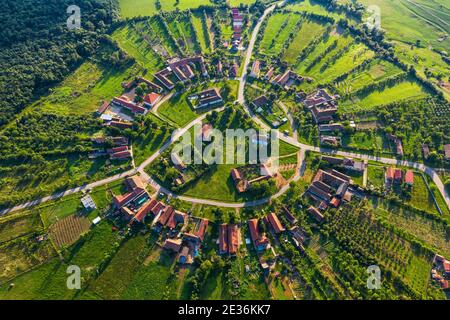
223,238
152,98
121,155
236,175
409,177
165,216
173,244
233,238
446,266
201,229
390,173
121,200
447,151
316,213
398,175
275,223
145,210
254,233
158,207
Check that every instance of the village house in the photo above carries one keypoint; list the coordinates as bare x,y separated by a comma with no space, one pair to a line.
151,99
287,79
331,127
180,70
269,74
197,235
289,216
272,220
256,69
120,124
409,178
151,85
398,144
234,71
173,245
240,183
208,98
260,103
238,19
316,213
346,163
260,241
229,235
101,110
329,187
126,103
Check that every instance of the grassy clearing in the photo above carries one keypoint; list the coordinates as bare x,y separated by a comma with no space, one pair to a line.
135,8
375,176
312,6
19,224
201,28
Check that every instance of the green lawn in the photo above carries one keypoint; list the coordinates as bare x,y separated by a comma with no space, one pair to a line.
278,28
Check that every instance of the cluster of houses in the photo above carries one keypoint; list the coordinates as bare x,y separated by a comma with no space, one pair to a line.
118,151
181,70
243,184
328,188
395,176
261,242
238,24
187,241
127,101
441,271
323,108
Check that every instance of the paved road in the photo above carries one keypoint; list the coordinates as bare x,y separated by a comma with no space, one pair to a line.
303,148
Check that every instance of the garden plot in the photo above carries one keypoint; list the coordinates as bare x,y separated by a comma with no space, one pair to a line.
66,231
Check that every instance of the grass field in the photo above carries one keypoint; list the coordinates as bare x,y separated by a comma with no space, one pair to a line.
402,91
134,8
19,224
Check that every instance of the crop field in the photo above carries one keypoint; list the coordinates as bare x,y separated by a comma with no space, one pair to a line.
309,31
134,8
432,232
58,210
279,26
406,90
68,230
312,6
421,197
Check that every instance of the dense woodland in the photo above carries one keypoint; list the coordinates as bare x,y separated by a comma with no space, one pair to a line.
37,50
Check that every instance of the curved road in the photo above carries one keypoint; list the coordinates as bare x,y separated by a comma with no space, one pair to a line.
241,99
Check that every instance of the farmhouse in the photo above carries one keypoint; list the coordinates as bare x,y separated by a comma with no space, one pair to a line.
207,98
260,241
274,222
256,69
316,213
289,216
173,244
323,113
197,235
151,99
125,102
180,70
269,73
287,79
228,239
260,102
329,187
319,98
